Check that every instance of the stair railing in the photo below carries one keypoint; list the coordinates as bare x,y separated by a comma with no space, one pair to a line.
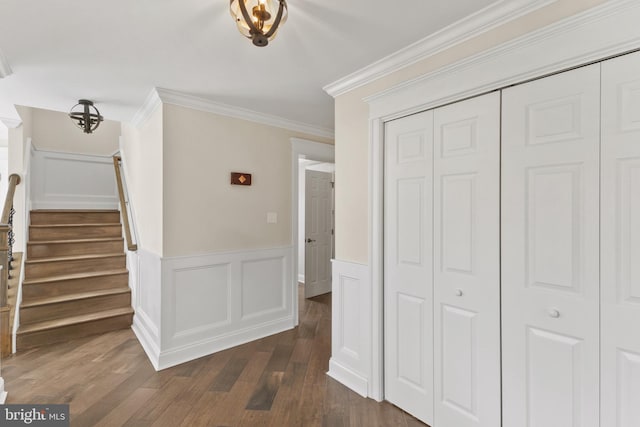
124,204
6,256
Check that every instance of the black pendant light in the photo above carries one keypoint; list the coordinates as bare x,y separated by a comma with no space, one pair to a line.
259,19
87,117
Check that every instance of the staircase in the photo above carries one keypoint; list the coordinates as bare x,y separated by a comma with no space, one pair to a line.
76,281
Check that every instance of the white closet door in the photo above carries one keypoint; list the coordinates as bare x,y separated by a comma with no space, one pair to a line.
550,251
408,264
467,263
620,231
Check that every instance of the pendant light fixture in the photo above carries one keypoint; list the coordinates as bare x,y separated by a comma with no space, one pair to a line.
87,117
259,19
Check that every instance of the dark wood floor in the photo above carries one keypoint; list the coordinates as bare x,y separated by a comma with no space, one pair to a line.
276,381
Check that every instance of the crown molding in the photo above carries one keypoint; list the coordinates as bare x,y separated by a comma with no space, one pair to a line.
593,35
148,107
10,123
189,101
5,68
471,26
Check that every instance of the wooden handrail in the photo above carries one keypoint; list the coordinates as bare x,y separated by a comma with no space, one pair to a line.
123,205
5,251
14,180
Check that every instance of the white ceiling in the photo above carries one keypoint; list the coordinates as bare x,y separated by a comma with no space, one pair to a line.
114,52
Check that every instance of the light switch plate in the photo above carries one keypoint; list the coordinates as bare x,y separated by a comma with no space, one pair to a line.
272,218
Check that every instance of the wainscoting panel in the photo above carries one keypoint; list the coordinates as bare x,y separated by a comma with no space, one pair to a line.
73,181
145,270
215,301
350,361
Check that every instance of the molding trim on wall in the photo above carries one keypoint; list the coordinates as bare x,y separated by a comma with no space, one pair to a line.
3,394
606,30
5,68
177,98
10,123
351,322
484,20
215,301
148,107
214,344
146,288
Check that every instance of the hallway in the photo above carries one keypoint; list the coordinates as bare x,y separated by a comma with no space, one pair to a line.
276,381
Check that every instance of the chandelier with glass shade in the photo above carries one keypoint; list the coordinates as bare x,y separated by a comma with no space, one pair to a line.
259,19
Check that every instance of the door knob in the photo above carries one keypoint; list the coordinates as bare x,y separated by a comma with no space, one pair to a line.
554,313
458,292
310,240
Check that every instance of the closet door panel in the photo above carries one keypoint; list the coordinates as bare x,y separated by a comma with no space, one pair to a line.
467,262
550,251
620,228
408,264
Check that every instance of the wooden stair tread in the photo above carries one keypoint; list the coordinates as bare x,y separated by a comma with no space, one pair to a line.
75,210
89,240
74,297
89,224
74,258
67,321
74,276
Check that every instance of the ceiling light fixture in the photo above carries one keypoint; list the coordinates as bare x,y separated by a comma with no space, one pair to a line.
259,19
85,119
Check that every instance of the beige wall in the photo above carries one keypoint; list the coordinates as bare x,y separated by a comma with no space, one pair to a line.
143,153
352,126
202,212
55,131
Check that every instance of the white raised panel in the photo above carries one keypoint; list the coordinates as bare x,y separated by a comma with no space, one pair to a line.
620,242
348,330
410,147
459,137
459,366
458,220
554,121
629,98
262,286
410,202
351,326
201,297
409,333
553,381
215,301
628,204
628,392
553,229
550,254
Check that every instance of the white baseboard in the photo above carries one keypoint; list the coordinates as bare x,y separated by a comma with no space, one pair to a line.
347,377
146,340
215,344
301,278
3,394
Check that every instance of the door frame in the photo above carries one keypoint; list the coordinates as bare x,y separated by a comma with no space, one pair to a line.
311,150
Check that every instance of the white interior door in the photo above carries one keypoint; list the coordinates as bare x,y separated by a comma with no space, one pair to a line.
550,251
467,263
408,264
620,234
318,220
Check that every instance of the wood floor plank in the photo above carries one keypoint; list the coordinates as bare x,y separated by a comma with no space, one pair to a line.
277,381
